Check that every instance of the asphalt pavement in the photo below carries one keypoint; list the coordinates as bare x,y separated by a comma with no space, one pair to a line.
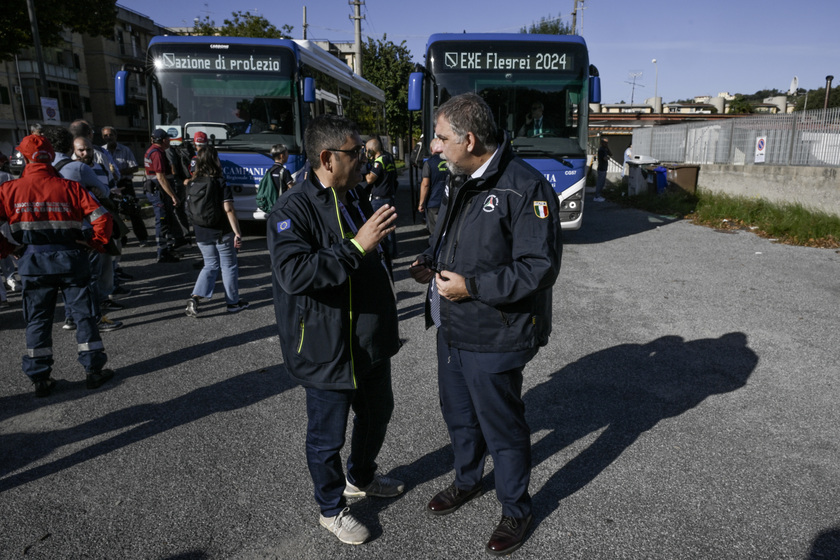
686,407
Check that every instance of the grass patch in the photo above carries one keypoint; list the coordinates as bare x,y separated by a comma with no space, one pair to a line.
789,223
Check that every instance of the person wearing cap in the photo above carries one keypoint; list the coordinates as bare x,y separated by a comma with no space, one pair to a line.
158,175
45,214
200,142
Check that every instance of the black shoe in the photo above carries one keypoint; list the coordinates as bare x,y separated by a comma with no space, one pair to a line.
107,325
123,275
451,499
97,378
167,258
182,242
509,535
238,306
69,324
43,387
110,304
121,291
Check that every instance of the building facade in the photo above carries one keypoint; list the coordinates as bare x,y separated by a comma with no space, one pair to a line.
80,78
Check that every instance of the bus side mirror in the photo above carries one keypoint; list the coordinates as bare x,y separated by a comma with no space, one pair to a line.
309,90
120,88
594,89
415,91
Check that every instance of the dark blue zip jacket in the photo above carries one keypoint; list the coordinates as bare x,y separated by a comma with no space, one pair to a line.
335,309
502,233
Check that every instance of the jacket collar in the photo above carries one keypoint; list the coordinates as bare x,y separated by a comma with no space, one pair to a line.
497,164
319,192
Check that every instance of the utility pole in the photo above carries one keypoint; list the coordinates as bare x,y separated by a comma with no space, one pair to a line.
358,25
827,90
574,18
36,38
305,25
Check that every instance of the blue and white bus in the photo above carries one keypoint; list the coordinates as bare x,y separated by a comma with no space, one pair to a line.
515,73
247,95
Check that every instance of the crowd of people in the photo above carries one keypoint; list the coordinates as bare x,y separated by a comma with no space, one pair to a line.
63,231
493,256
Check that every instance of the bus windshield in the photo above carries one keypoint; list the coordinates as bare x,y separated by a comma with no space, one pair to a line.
534,89
243,100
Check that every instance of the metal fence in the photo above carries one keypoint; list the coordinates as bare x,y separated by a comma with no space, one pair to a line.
810,138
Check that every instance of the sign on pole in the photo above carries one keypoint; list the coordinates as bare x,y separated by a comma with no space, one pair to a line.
49,105
760,149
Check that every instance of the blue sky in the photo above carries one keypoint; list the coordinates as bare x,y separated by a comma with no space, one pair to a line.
701,48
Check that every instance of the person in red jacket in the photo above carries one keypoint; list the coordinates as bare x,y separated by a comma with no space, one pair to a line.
46,214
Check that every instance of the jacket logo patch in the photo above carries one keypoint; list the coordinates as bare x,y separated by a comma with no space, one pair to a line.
284,225
541,209
490,203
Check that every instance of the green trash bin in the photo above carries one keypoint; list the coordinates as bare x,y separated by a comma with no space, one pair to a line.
682,177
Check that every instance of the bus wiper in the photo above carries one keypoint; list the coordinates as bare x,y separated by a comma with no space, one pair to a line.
532,151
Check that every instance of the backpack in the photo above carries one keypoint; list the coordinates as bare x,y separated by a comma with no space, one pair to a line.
205,206
267,191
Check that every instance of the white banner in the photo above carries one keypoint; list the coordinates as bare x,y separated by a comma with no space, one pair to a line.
49,106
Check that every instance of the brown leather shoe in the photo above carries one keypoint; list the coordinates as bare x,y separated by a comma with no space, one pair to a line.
451,499
509,535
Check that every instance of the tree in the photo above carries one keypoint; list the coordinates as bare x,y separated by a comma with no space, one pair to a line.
387,66
740,106
816,99
243,25
91,17
549,26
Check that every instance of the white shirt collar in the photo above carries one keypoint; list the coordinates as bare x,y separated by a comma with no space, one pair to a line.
480,171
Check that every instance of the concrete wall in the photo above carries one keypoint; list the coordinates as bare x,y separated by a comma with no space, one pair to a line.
817,188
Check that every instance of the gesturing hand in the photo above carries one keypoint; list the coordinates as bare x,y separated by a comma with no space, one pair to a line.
377,228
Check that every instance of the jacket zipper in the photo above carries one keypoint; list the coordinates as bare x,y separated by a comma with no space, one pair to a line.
350,293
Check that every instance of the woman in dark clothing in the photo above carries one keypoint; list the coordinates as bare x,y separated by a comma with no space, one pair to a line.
219,242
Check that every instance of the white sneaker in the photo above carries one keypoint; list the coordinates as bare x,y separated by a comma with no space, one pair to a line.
599,199
346,527
12,284
382,487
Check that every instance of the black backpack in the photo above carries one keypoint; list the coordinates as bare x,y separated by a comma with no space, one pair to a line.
205,206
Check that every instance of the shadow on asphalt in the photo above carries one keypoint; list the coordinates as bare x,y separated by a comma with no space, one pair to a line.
141,421
625,391
606,221
826,546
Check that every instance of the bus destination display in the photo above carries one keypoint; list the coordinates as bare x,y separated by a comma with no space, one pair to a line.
458,60
226,62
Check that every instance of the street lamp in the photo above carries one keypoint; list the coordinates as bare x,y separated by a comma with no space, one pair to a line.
656,86
827,90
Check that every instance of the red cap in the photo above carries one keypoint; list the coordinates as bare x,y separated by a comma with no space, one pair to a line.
199,138
36,148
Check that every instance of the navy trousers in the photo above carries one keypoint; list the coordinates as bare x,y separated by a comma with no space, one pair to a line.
40,294
372,403
481,402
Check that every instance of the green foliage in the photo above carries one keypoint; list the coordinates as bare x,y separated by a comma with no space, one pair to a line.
740,106
243,25
91,17
816,99
387,66
791,223
549,26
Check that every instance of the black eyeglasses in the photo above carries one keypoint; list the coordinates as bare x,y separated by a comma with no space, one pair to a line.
355,153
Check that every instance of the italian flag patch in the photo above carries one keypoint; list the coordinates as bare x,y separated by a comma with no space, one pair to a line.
541,209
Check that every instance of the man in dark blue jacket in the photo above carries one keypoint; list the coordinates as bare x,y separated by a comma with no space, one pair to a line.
337,321
494,258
